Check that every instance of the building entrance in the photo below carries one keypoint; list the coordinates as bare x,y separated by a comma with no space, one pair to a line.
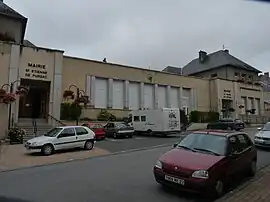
35,104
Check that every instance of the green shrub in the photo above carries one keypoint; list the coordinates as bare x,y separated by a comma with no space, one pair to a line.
70,111
104,115
195,116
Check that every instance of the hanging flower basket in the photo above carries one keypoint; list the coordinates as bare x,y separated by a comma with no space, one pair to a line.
68,94
9,97
83,99
2,93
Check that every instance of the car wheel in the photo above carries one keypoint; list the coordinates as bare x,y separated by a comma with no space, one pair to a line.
218,189
252,168
89,145
150,132
130,136
47,149
114,136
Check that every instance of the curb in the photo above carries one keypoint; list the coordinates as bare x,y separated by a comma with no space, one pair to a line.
244,185
88,158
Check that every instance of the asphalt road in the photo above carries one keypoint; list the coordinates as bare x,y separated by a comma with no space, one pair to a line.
138,142
114,178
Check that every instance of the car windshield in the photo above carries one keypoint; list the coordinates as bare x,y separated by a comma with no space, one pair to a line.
266,127
53,132
199,142
121,126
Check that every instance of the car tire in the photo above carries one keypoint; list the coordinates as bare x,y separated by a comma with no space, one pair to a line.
89,145
150,132
252,168
47,150
218,190
114,135
130,136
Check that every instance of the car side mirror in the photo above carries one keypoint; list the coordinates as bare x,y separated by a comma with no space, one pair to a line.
174,145
259,128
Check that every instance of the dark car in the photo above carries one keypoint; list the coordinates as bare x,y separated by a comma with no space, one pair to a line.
207,162
227,124
116,130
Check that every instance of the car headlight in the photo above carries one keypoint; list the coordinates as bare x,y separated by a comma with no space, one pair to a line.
158,165
203,174
34,144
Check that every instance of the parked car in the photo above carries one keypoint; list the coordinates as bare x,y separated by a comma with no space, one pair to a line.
207,162
262,138
227,124
98,129
59,138
116,130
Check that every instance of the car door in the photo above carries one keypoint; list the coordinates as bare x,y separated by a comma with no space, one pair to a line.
82,136
109,129
246,153
233,158
66,139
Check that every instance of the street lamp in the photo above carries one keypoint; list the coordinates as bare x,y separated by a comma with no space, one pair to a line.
11,87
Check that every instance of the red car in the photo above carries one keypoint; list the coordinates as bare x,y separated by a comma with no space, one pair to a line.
207,162
98,129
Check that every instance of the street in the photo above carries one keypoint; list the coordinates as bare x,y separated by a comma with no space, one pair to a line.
116,178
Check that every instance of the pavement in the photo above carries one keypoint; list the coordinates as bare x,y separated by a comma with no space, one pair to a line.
16,157
257,189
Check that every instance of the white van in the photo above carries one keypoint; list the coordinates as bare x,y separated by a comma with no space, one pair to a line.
151,121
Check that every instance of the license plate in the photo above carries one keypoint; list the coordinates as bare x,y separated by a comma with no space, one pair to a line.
175,180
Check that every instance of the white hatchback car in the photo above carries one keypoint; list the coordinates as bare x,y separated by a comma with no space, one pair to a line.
59,138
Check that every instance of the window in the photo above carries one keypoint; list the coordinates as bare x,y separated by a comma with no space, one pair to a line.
213,75
67,132
81,131
136,118
143,118
234,146
53,132
205,143
243,142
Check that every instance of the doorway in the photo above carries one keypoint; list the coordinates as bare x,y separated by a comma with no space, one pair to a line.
35,104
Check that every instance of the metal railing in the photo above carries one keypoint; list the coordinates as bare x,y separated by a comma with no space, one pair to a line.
49,116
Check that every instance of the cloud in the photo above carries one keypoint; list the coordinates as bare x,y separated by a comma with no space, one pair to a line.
155,32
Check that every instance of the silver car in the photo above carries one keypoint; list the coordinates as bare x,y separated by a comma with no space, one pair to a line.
262,138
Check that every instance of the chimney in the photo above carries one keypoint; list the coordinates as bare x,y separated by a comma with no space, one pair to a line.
266,74
105,60
202,56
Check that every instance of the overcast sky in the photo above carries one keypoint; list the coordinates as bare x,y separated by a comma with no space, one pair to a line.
153,32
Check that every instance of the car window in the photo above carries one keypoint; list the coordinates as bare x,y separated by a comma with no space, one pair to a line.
200,141
81,131
266,127
243,141
143,118
67,132
53,132
121,126
136,118
234,146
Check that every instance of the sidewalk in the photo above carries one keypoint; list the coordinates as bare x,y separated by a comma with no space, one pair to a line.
16,156
255,190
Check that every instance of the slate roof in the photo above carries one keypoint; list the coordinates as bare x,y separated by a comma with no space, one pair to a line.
215,60
171,69
9,12
6,10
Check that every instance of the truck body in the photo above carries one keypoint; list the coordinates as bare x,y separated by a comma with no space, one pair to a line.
151,121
